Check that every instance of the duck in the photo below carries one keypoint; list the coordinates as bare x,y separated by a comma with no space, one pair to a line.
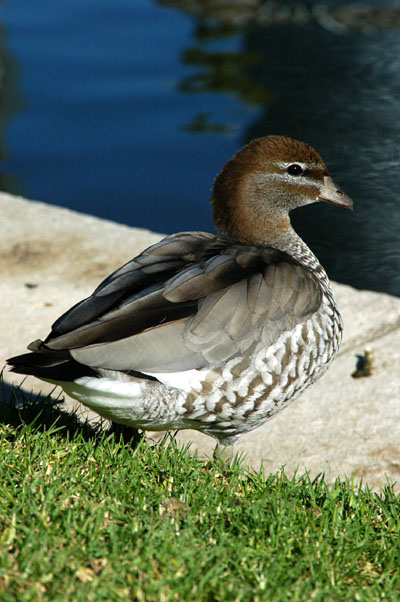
212,332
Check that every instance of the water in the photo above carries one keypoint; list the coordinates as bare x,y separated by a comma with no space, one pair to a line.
128,110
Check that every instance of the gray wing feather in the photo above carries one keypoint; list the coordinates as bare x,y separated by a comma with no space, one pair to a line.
156,350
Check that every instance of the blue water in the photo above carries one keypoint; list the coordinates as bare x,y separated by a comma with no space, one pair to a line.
101,130
101,98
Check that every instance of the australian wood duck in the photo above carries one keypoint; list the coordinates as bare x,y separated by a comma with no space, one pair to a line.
205,331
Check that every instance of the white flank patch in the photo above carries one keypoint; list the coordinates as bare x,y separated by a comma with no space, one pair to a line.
102,391
185,381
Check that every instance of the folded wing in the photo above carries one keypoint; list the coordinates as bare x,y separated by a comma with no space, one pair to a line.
192,301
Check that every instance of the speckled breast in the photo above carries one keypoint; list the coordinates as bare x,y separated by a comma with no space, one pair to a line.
250,390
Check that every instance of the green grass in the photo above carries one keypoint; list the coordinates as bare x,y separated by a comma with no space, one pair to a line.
84,516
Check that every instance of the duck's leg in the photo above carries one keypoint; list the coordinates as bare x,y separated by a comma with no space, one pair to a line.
224,451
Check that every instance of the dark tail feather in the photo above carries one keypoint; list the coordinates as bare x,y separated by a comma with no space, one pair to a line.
49,367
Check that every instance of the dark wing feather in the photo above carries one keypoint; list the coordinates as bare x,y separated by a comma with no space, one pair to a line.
154,265
49,367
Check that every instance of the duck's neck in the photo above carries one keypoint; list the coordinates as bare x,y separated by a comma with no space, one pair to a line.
291,243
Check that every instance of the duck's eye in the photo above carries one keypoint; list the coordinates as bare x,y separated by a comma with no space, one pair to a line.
295,169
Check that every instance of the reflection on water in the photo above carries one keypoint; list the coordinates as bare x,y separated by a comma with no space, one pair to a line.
331,14
153,100
221,71
10,100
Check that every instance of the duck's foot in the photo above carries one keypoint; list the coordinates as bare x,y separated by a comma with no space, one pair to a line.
128,434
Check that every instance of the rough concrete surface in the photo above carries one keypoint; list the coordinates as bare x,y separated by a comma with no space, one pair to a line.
51,258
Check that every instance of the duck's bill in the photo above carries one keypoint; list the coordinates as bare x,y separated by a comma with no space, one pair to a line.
332,194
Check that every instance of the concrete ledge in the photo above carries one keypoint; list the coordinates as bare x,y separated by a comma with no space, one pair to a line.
51,258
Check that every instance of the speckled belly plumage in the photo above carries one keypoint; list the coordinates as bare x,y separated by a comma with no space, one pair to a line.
251,390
